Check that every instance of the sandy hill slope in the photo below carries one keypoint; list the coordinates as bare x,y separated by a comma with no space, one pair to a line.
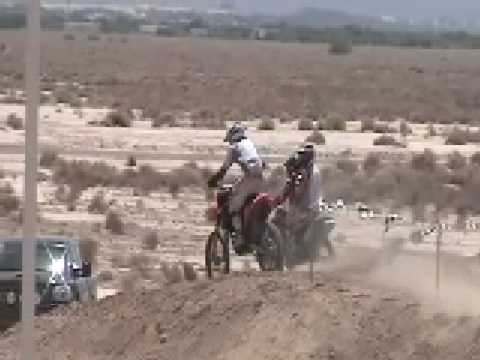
255,316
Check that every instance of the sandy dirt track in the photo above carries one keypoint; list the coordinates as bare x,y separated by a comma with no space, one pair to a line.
341,315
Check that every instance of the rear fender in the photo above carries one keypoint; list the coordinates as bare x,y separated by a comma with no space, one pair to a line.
255,217
259,209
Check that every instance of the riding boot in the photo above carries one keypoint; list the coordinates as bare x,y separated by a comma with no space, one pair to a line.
237,227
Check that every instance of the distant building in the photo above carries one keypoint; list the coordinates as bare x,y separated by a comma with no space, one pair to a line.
82,26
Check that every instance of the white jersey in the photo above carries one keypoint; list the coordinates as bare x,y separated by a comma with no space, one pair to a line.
245,154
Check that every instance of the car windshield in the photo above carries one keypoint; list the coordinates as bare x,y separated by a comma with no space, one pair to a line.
50,255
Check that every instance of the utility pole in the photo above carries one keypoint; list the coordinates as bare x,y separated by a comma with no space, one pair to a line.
32,87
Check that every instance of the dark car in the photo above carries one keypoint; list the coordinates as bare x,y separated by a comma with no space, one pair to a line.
61,275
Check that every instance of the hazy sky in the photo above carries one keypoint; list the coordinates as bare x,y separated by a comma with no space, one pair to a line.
408,8
413,8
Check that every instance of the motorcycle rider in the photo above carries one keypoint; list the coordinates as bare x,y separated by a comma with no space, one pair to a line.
243,152
304,201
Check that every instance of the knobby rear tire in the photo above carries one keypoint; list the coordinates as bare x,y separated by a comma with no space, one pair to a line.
273,259
211,254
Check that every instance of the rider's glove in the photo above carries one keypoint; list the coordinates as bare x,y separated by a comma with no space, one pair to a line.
213,182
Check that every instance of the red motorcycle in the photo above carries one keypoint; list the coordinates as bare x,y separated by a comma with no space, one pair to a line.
260,236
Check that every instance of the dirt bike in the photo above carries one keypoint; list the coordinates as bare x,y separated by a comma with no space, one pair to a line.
304,239
304,236
260,237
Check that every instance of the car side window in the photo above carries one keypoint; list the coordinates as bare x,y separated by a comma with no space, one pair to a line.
74,255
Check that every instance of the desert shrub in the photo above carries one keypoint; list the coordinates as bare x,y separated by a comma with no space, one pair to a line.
316,137
48,158
336,124
431,131
140,263
61,193
93,37
131,161
305,124
473,136
69,37
150,241
174,188
340,47
286,118
475,158
189,272
405,130
266,124
457,137
14,122
425,161
9,202
117,119
172,273
207,119
83,174
210,123
105,276
98,204
456,161
114,223
164,119
119,261
382,128
63,96
385,140
368,124
348,166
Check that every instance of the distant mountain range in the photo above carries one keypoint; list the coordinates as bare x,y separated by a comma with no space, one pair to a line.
295,14
314,17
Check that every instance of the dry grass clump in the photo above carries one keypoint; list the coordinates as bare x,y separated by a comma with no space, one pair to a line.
305,124
14,122
165,119
367,124
189,272
114,223
475,158
266,124
372,163
117,119
131,161
340,47
316,137
385,140
405,129
172,273
456,161
48,158
105,276
431,131
207,119
459,136
150,241
9,202
98,205
333,123
140,263
348,166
